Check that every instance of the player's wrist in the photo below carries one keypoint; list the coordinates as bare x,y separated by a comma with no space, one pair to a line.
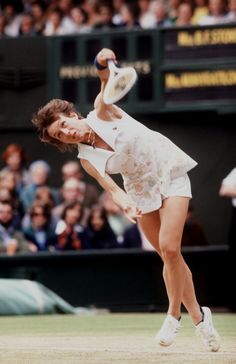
98,65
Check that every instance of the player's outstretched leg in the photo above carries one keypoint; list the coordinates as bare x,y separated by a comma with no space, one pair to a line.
205,329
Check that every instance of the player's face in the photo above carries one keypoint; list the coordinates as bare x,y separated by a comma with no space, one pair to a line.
69,130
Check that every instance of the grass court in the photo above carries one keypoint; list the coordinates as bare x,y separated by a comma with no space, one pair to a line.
108,339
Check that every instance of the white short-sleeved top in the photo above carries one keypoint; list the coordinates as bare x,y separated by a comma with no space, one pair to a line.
230,180
147,160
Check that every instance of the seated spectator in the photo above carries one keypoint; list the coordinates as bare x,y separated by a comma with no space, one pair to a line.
130,15
88,192
146,16
132,237
54,24
39,175
43,195
217,13
38,11
11,239
173,6
105,12
99,232
40,232
193,233
70,194
231,16
115,216
26,28
6,196
160,11
200,10
11,12
2,26
14,158
70,232
185,13
80,20
228,190
117,4
90,7
8,180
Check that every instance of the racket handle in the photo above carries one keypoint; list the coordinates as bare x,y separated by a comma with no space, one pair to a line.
111,65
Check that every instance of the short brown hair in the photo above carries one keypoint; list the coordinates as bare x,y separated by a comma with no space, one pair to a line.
14,148
49,113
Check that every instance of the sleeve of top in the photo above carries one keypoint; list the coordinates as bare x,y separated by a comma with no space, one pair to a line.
96,156
230,179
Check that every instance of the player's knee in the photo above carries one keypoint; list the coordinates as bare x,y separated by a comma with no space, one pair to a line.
169,251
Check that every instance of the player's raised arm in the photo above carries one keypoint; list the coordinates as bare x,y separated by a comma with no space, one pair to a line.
103,72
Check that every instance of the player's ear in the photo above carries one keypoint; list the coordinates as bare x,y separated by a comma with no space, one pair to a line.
73,114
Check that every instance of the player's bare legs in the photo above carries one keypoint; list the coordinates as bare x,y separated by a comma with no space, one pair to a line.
163,228
151,226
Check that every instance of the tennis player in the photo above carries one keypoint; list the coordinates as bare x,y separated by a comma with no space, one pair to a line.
157,188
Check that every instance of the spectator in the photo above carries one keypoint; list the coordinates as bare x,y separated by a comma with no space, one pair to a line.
193,233
14,158
132,237
40,232
88,192
11,14
217,13
146,16
117,4
90,7
27,26
160,10
39,174
231,16
38,11
43,195
70,193
105,22
66,6
2,26
11,239
54,24
115,215
228,189
185,13
80,20
7,196
8,181
70,232
173,6
99,232
200,10
130,15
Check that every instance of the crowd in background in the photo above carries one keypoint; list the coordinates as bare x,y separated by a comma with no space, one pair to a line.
35,216
63,17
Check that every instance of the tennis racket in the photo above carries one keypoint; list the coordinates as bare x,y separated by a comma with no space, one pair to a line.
120,81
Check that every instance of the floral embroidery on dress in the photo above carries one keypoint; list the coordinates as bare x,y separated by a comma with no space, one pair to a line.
147,160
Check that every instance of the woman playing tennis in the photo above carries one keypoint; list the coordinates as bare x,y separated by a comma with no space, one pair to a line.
157,188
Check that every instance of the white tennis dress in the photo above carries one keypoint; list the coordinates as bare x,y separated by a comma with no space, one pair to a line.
152,167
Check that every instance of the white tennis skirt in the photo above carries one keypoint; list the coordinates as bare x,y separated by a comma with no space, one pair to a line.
180,186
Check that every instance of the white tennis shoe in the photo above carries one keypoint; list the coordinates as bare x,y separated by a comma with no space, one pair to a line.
207,332
168,331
